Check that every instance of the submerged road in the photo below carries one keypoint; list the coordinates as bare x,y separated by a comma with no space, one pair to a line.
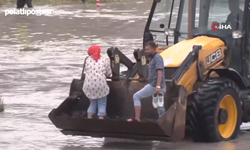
34,82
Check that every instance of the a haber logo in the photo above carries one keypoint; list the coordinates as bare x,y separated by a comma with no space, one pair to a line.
215,26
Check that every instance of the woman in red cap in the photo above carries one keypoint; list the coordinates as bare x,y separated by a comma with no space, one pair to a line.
95,86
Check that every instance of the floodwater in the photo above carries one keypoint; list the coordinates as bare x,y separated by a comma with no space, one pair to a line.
34,82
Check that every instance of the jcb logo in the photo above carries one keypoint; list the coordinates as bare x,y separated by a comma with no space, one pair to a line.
117,59
214,57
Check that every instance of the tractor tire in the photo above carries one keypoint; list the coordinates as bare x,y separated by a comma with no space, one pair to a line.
216,112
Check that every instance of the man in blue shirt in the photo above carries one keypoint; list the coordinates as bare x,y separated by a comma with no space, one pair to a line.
156,80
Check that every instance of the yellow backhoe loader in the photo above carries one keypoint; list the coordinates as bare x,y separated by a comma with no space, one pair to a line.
205,46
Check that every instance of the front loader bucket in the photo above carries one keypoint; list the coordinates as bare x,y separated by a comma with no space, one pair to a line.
173,120
70,116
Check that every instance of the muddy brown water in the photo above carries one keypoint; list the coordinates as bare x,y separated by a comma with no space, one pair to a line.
34,82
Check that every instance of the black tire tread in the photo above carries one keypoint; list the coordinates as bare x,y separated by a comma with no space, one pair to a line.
202,113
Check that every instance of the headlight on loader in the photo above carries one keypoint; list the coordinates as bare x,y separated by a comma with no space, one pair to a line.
169,32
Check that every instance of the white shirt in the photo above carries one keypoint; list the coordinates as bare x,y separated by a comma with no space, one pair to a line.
95,85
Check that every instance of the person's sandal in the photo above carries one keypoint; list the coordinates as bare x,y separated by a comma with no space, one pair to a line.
90,116
132,120
102,117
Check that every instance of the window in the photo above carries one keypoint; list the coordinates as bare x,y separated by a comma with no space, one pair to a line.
226,12
209,11
161,15
184,19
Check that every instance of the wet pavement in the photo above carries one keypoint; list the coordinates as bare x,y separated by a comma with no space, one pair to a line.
34,82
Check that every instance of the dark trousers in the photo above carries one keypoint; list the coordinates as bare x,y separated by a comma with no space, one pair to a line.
21,3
